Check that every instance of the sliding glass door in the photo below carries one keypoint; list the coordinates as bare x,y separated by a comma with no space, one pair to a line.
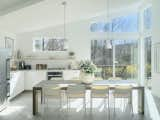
116,59
126,59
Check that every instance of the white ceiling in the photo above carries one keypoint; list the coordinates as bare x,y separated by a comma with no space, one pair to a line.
7,6
49,13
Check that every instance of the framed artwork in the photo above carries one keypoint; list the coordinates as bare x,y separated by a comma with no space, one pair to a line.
9,43
54,44
37,44
49,44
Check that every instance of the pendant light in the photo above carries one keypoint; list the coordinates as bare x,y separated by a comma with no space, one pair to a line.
64,3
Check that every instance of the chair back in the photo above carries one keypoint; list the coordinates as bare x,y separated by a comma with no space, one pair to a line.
76,89
123,89
51,90
99,90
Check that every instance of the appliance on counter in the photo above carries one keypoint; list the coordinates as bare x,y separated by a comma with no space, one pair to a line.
21,65
55,75
4,77
27,67
41,66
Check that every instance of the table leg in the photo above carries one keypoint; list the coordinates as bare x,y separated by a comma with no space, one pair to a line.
143,97
35,101
141,100
41,95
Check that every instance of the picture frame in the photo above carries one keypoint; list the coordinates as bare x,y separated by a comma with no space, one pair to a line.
49,44
37,44
9,44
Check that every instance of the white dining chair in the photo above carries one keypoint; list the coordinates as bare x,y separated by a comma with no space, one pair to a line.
100,91
76,92
53,93
123,92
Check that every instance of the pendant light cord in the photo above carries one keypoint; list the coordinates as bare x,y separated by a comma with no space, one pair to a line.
64,18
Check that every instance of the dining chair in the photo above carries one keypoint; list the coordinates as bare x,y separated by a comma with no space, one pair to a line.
75,92
52,92
123,92
100,91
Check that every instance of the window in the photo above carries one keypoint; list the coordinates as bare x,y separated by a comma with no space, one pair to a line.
97,27
100,55
148,57
128,23
118,61
147,18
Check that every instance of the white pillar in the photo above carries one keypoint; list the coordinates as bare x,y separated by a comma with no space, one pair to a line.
141,53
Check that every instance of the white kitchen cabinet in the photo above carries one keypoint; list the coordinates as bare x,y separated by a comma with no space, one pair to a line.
25,80
16,83
71,74
33,77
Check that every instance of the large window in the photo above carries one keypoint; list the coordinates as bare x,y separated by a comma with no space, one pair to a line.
147,18
119,60
148,45
147,15
128,23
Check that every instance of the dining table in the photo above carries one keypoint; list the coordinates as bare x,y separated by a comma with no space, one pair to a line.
63,85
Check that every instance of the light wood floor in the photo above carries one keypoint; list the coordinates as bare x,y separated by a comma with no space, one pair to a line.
21,109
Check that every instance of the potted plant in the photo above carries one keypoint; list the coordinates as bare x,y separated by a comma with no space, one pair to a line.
87,71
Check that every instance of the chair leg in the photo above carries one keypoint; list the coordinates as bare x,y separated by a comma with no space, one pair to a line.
124,104
105,104
60,104
91,104
67,104
85,104
132,109
114,106
108,108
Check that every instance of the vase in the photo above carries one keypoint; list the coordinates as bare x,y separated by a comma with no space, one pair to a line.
87,78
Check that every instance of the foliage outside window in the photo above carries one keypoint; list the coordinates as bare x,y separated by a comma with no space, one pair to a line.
126,55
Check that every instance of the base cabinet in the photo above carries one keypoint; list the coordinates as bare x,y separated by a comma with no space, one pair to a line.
16,83
25,80
32,78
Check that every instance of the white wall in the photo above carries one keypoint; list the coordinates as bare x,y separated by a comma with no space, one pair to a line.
78,35
156,38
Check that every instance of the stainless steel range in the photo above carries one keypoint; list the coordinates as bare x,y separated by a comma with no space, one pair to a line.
55,75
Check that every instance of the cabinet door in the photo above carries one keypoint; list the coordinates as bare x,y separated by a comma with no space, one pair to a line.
33,77
16,83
